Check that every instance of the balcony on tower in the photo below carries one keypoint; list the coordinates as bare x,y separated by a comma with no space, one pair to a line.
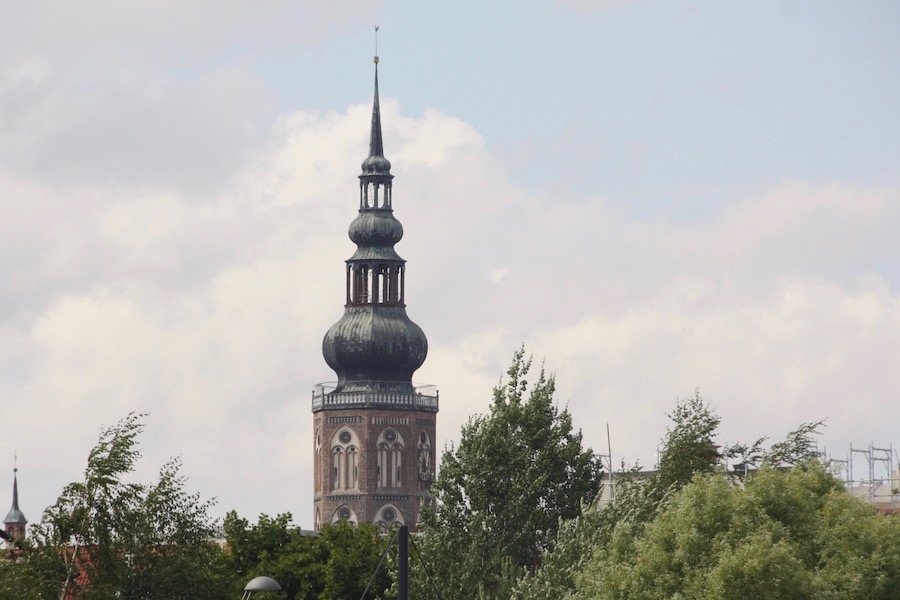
374,394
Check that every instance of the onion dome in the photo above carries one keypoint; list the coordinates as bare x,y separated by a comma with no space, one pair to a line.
376,228
375,349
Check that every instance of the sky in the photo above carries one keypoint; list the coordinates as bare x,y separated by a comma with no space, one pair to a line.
654,197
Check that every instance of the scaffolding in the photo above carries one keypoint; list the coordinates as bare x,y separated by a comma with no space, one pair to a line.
870,474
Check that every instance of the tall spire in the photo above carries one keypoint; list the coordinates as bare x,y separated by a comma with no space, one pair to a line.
15,521
376,163
376,146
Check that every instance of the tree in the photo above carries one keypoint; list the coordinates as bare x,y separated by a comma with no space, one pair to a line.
335,563
797,449
23,571
689,445
106,538
788,534
501,494
573,548
275,547
354,552
688,450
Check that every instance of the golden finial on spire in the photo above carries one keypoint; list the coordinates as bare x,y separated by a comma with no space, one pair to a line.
376,44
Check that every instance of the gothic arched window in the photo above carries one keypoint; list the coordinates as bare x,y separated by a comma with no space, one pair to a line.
345,459
390,458
344,513
388,516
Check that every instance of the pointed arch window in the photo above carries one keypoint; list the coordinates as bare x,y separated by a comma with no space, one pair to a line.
344,513
345,460
388,516
390,458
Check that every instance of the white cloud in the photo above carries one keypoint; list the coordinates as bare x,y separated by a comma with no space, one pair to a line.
810,350
497,275
207,310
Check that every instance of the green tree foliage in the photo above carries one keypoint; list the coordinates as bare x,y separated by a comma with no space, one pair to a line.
797,449
336,563
689,445
500,496
107,538
787,534
687,451
276,548
22,570
569,555
353,555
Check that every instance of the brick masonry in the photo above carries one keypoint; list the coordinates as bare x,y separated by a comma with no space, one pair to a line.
367,499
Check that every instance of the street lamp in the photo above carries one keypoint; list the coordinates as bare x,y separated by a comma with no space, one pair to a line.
260,584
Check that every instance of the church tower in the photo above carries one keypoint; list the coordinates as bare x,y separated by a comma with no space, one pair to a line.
15,521
374,429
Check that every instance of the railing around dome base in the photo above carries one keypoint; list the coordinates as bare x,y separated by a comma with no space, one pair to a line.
425,398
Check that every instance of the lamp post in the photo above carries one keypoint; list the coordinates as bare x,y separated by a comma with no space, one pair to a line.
403,563
260,584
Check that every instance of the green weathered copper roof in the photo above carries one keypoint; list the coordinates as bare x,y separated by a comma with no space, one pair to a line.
375,255
375,343
378,227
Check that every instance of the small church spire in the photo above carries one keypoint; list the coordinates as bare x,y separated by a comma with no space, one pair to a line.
15,521
376,146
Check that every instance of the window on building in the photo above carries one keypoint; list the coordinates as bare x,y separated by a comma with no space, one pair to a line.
390,458
345,459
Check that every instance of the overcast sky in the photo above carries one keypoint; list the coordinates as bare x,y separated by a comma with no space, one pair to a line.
652,196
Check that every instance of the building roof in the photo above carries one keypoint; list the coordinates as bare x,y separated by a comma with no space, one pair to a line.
15,516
